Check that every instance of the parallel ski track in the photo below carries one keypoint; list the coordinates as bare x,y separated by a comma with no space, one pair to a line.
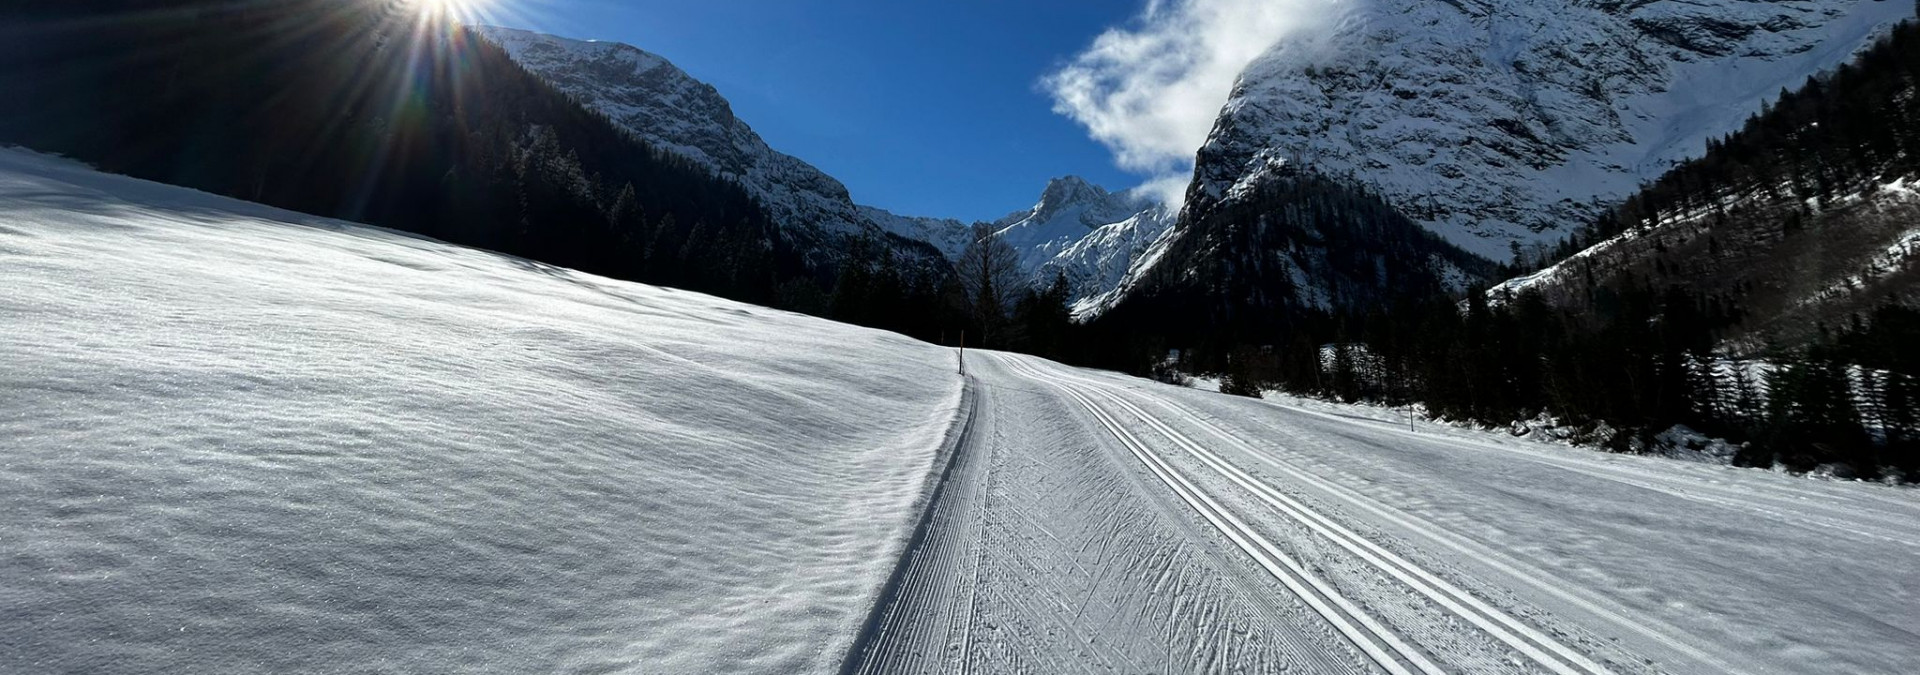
1596,605
1811,513
1385,648
1541,648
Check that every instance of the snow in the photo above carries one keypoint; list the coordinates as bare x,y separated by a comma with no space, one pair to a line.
649,97
241,440
244,440
1507,121
1091,236
1100,523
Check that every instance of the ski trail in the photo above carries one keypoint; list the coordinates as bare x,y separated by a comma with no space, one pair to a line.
912,591
1542,649
1596,605
1798,513
1051,551
1387,649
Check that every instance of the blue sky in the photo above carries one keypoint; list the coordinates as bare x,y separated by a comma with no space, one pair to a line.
925,108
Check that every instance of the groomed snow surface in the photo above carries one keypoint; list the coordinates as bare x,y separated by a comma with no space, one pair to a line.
240,440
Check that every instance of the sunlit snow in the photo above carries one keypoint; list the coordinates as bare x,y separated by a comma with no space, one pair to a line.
240,440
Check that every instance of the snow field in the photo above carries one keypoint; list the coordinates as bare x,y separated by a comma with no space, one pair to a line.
236,439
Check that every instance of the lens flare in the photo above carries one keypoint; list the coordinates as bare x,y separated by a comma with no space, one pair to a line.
462,11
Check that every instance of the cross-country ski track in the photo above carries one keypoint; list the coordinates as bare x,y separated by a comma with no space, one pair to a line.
1094,523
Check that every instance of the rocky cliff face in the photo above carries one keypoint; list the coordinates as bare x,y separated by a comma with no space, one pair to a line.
1503,122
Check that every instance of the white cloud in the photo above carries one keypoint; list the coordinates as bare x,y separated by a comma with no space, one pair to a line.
1151,91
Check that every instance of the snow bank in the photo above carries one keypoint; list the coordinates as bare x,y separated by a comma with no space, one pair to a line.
235,439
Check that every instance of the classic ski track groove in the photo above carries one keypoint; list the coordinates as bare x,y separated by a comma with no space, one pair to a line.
1502,626
910,582
1317,593
1787,512
1599,606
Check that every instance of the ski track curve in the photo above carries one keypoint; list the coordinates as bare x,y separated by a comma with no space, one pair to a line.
1045,552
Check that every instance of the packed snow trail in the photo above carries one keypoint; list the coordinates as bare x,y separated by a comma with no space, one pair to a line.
1444,551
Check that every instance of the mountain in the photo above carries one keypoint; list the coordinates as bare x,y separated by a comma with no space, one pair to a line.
1076,228
651,98
1809,215
1298,244
1086,233
1503,122
946,234
362,114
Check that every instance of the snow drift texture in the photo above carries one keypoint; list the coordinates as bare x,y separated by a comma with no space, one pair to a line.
235,444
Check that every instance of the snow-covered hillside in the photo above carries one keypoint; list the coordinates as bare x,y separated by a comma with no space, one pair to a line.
647,95
1086,233
1495,122
240,440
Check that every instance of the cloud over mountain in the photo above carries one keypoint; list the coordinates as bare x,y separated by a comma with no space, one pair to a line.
1151,90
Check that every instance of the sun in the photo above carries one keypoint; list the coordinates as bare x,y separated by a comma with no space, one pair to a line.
463,11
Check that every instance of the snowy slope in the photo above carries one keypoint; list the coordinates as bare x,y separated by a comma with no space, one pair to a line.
239,440
1495,122
1084,232
645,94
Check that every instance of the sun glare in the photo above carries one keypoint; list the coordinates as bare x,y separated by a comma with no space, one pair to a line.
463,11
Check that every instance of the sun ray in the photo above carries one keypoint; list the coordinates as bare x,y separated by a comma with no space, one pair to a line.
457,11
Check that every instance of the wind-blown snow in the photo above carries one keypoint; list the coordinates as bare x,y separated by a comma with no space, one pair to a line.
239,440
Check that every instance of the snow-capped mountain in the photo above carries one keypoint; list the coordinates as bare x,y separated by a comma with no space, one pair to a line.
1494,122
650,97
1086,233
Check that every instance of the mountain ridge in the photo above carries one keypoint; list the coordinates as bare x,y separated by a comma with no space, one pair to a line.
1077,229
649,96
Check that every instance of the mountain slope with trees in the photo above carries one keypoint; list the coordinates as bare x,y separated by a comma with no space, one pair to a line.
365,110
1763,293
1808,215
